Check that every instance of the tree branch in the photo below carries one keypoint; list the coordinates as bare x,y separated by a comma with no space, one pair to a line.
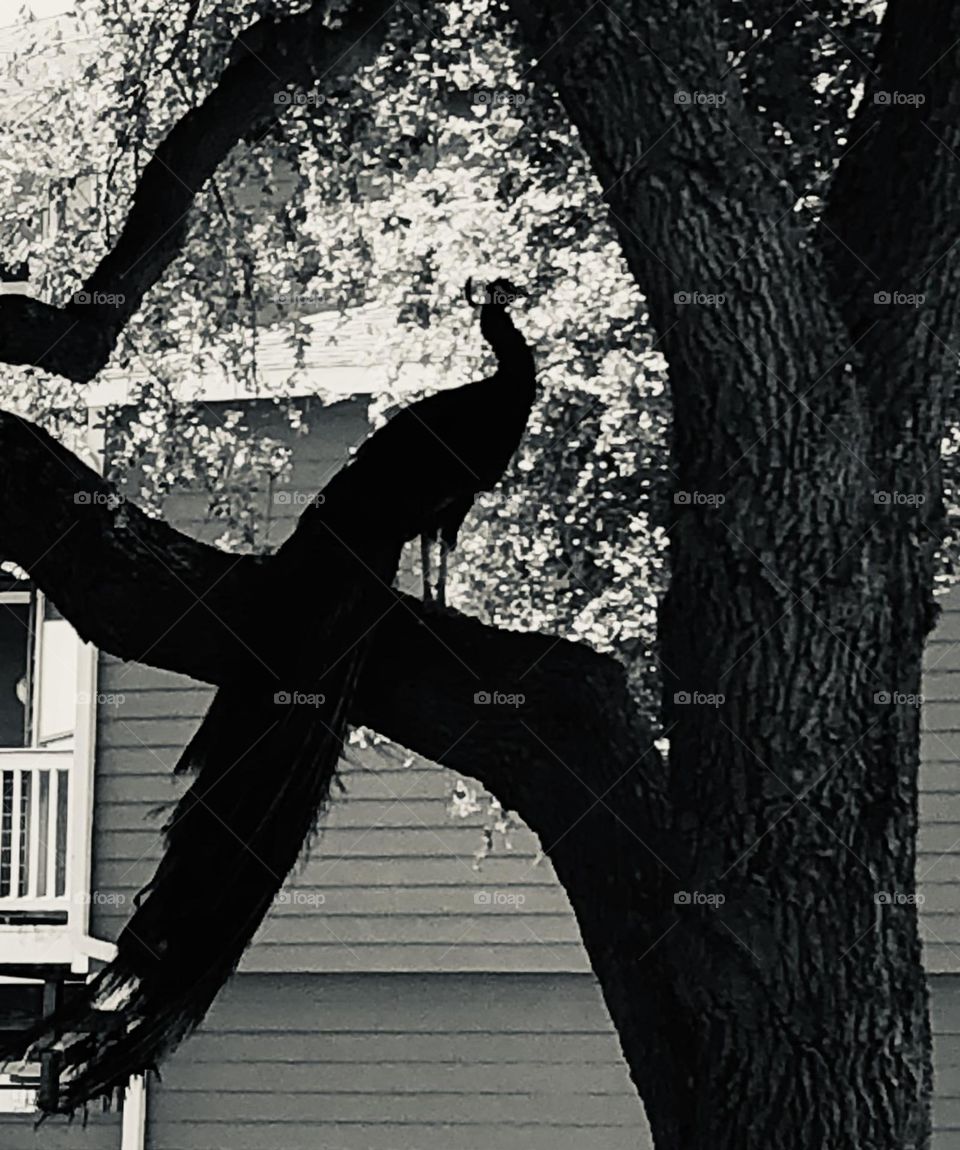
76,340
892,224
143,591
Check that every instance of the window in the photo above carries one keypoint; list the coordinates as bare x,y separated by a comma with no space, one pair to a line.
16,633
39,653
38,669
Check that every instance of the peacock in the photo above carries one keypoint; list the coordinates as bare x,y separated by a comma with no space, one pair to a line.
458,441
265,756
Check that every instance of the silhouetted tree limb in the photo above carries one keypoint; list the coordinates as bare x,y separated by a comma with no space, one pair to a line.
75,340
141,590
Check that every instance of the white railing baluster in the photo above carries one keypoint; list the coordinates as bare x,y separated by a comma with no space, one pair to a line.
33,837
52,834
15,834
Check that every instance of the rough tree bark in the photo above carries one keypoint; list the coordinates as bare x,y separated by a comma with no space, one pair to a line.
795,1013
803,598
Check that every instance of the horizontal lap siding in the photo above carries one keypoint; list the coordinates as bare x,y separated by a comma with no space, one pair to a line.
391,882
400,1062
20,1132
945,1015
938,860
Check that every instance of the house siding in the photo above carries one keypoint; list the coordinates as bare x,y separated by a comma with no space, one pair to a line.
945,1012
100,1132
390,884
938,857
400,1062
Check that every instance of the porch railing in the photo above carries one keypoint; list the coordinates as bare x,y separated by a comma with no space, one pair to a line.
34,821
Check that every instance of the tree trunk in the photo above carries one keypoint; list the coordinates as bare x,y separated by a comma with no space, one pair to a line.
781,1000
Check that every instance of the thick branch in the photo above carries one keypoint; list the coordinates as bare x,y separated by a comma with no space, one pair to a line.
891,239
131,584
143,591
891,232
893,214
678,157
76,340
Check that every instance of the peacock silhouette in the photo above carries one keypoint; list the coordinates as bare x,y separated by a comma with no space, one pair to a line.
265,756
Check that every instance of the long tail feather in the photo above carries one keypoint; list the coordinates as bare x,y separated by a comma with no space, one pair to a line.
265,768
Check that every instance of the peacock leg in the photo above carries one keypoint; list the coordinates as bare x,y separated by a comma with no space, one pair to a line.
425,568
445,550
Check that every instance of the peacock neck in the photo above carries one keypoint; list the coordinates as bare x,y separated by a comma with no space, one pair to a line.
508,344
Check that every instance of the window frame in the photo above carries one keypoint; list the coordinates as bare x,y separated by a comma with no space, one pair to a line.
37,601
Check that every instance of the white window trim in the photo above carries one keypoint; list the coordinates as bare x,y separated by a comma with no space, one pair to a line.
16,1099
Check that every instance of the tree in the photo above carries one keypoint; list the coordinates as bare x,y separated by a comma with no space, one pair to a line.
793,229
